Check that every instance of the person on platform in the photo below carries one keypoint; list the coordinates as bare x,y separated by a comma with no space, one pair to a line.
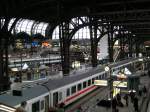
132,95
144,91
79,109
126,99
149,73
61,107
22,107
114,105
135,104
51,109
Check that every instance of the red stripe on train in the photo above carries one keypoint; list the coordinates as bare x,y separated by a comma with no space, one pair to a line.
79,93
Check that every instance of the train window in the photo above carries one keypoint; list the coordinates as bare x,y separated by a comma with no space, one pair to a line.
36,107
102,76
46,102
99,76
68,92
60,96
55,98
93,80
84,84
89,82
73,89
42,104
79,87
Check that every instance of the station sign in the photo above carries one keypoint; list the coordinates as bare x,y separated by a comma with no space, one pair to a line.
101,82
115,83
119,84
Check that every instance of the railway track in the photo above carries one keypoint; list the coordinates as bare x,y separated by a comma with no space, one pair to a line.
90,99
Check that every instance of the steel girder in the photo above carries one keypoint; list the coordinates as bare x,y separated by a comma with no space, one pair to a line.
5,37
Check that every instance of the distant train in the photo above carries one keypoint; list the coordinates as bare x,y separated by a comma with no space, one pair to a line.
65,90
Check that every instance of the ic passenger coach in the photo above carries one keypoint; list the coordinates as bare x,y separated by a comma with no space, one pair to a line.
65,90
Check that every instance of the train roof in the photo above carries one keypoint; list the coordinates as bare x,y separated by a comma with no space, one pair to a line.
27,94
38,90
54,84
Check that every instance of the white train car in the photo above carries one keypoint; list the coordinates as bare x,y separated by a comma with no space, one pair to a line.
65,90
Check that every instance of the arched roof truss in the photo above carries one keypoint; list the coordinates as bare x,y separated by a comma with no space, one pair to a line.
40,28
79,28
30,27
2,22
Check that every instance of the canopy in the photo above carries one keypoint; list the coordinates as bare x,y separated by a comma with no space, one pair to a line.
127,71
25,66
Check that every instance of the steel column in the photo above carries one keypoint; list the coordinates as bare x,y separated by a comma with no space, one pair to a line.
110,42
64,45
94,43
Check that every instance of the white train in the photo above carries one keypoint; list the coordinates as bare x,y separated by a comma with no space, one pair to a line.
66,90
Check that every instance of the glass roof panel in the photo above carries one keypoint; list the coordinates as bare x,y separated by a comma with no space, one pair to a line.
56,33
2,22
40,28
10,23
24,25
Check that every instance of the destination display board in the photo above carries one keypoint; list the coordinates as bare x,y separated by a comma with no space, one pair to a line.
119,84
101,82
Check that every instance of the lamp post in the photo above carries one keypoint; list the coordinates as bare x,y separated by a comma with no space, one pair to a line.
20,75
108,69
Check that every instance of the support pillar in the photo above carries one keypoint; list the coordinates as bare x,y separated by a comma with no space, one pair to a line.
64,45
94,43
130,40
121,44
110,42
4,77
5,36
137,48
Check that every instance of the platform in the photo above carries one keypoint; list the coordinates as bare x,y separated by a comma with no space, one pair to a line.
91,105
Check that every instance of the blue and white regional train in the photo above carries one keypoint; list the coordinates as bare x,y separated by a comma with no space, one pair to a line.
65,90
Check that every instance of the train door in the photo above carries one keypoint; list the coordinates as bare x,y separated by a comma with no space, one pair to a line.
55,98
42,105
36,106
46,103
39,106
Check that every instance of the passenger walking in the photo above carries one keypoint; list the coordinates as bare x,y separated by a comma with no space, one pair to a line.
126,98
140,92
51,109
79,109
114,105
61,108
149,73
119,98
135,104
144,91
22,107
132,95
19,110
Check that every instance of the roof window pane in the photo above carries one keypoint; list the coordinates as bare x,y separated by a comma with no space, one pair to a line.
24,25
40,28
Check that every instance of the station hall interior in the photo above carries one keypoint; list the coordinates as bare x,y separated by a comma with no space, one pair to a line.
75,55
